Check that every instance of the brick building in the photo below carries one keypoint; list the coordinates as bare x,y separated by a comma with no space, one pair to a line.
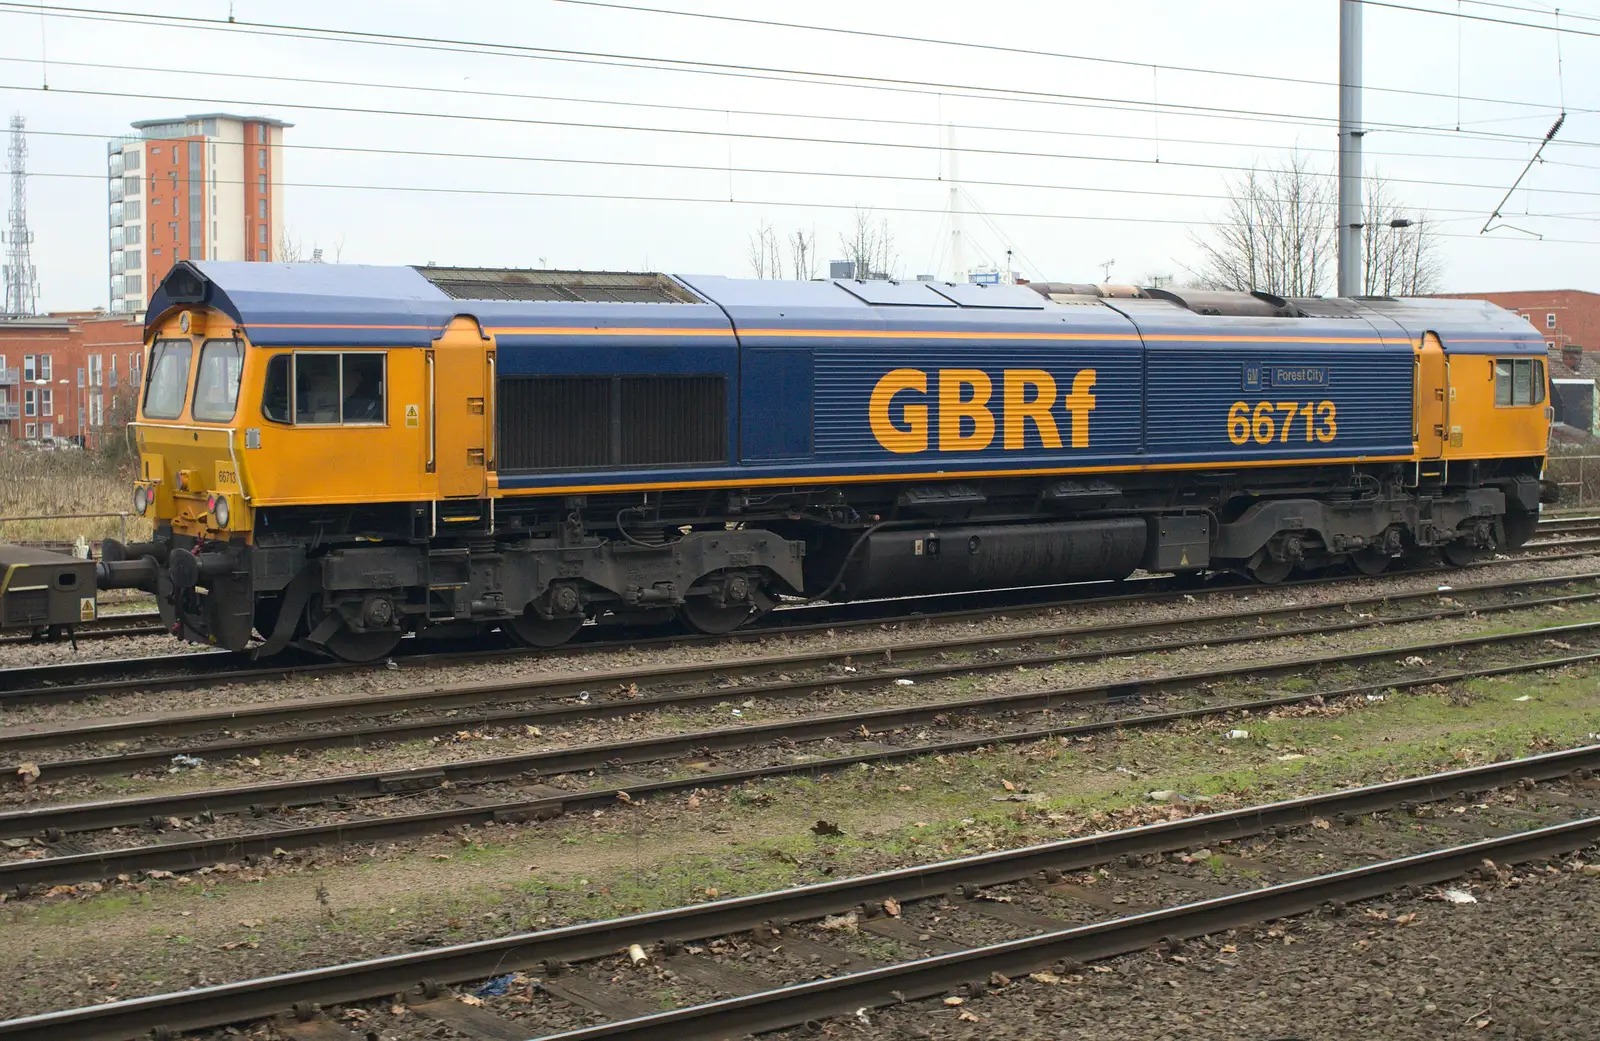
201,187
1568,319
69,375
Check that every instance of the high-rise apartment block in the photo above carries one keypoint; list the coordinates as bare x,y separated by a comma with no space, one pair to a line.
205,187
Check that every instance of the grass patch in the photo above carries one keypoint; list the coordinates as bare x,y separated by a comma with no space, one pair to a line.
50,484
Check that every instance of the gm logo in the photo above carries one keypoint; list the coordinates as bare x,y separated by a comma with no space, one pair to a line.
965,420
1252,376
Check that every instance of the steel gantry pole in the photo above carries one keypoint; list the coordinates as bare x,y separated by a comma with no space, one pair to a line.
1350,147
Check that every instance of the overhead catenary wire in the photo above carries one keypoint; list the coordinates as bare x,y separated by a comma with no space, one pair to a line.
1024,51
722,200
723,111
743,134
812,77
1490,19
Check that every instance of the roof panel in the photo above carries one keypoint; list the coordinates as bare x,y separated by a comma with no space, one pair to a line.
972,294
893,294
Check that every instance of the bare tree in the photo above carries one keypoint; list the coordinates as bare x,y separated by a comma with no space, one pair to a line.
1396,260
869,245
803,254
289,250
766,260
1277,233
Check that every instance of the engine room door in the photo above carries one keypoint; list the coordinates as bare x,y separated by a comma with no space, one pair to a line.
1433,398
458,400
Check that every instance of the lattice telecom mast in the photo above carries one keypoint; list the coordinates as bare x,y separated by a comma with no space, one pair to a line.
22,281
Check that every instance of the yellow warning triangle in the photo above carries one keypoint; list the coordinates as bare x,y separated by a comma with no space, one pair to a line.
1185,561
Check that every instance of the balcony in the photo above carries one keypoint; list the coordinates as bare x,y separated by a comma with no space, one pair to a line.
9,412
10,377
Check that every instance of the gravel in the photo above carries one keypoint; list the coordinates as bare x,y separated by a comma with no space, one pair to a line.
1521,963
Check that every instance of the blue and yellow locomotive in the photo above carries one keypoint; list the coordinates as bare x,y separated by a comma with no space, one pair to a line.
339,455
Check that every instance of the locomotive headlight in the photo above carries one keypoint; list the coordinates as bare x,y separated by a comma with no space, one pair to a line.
219,510
141,499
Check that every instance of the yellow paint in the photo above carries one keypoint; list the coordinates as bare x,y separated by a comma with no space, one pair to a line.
459,395
949,475
964,394
1079,404
910,434
1019,408
955,405
1480,429
1432,408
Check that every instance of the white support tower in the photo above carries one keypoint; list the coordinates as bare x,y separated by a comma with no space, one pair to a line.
21,280
1350,134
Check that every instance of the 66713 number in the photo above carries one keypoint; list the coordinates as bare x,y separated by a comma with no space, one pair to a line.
1268,419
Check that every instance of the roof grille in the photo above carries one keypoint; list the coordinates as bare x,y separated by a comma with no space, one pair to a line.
624,287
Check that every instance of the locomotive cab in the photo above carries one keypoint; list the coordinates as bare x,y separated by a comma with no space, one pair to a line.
251,453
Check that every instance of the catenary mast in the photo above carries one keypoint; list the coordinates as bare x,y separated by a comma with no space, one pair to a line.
21,280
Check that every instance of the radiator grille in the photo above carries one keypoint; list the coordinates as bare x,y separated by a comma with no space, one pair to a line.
572,422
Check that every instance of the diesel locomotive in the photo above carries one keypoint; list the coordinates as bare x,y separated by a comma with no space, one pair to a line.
338,455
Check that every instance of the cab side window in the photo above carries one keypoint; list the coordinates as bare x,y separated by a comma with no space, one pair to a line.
275,390
323,388
1519,381
362,378
316,388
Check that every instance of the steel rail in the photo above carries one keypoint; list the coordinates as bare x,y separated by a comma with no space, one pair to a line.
222,1004
939,974
55,684
191,854
105,627
18,739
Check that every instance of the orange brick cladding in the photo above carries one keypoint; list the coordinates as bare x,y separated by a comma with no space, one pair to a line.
199,187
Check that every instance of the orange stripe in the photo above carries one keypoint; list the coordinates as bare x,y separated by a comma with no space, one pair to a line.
943,475
302,325
619,331
933,335
926,334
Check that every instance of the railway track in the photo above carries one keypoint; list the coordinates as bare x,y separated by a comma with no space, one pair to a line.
485,704
75,681
105,627
951,929
73,843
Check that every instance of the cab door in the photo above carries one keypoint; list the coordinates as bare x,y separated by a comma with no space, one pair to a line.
1433,399
458,402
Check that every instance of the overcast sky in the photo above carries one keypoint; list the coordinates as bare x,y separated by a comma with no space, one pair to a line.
1060,228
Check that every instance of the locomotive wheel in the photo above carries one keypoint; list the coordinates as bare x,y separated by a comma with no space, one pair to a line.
348,645
1270,572
1459,554
704,615
531,630
1369,561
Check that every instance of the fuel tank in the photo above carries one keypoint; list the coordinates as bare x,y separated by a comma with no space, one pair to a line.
956,559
